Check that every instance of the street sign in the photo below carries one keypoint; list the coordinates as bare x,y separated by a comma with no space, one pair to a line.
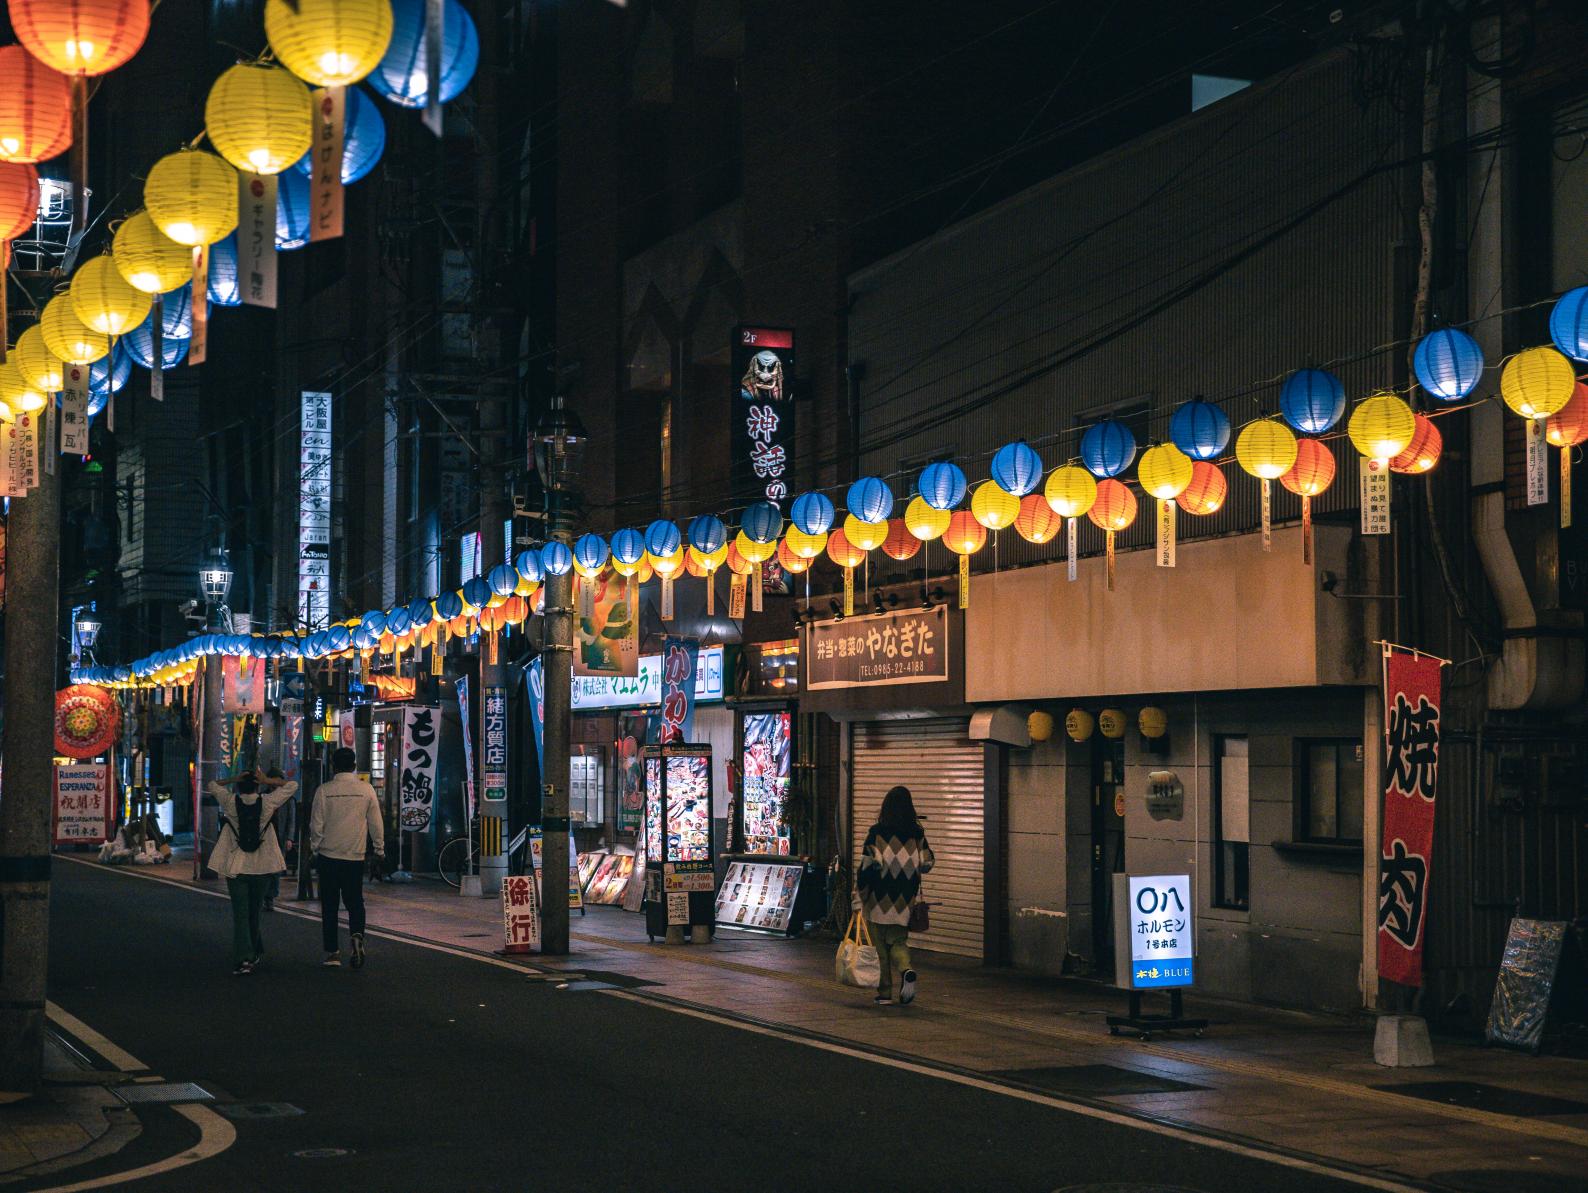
520,915
1162,938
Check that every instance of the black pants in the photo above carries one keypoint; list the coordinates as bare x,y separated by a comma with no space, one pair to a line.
340,881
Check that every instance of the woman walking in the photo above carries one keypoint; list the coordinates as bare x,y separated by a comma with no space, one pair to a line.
247,854
892,861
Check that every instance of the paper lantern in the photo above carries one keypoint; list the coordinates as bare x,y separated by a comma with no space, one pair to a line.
35,108
662,538
1206,491
841,551
1111,723
292,211
1448,364
40,367
192,196
19,199
790,562
1039,724
1422,453
1115,507
147,258
806,546
695,564
18,395
590,554
900,543
1266,448
1070,491
81,37
628,548
224,288
104,300
1152,723
738,564
363,139
925,521
1036,522
67,336
942,485
556,558
1568,426
403,76
709,561
329,43
753,551
1313,471
1079,724
994,507
707,534
870,500
476,592
106,376
1200,429
176,313
1017,468
87,720
259,117
1568,323
813,513
762,523
139,343
1537,382
1107,448
1164,471
867,536
1312,400
1381,426
965,535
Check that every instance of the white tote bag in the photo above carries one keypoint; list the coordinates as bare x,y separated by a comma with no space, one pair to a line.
856,962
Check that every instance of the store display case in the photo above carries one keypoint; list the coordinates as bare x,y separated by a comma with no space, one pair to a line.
679,859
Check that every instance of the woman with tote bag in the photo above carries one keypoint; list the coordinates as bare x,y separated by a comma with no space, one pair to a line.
892,860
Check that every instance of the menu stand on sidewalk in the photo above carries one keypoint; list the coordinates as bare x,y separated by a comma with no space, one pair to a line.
1145,1024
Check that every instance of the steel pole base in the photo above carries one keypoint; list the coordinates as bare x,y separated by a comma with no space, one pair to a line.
493,871
470,888
1144,1025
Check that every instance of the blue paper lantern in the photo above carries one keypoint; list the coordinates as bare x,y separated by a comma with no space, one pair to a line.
420,614
1312,400
707,535
529,566
556,558
628,546
813,513
870,499
1568,323
662,538
363,639
476,591
107,375
177,312
139,343
291,648
363,139
224,289
449,605
338,638
373,623
942,485
762,523
1449,363
1200,429
1017,468
503,579
398,621
1107,448
590,552
292,210
403,77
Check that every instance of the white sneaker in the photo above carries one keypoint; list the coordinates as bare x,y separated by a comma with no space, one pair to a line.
907,987
332,961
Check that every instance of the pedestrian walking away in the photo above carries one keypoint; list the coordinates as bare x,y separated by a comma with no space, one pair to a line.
343,824
892,860
248,855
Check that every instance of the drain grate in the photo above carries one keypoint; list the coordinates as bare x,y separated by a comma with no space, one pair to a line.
1098,1081
239,1111
165,1091
1475,1095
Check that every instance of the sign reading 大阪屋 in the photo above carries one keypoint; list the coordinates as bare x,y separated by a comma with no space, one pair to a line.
884,648
1162,939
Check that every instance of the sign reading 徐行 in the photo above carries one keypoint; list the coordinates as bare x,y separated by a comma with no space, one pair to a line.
910,646
1162,938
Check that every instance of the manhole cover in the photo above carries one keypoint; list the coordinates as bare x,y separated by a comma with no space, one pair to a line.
1099,1081
321,1153
252,1110
165,1091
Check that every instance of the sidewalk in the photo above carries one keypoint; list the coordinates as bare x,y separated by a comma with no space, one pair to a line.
1479,1119
75,1119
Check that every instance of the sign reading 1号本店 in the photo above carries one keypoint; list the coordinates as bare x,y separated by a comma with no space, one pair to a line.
1161,935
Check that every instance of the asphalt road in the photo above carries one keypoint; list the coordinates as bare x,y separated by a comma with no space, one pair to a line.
436,1072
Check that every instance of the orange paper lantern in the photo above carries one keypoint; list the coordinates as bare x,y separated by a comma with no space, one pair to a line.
81,37
35,108
1115,507
1207,490
1422,453
900,543
1036,522
791,563
737,563
19,198
1313,471
965,535
1568,426
841,551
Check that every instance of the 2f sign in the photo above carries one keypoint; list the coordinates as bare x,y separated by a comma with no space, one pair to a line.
1162,936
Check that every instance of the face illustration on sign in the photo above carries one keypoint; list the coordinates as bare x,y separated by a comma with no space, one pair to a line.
763,415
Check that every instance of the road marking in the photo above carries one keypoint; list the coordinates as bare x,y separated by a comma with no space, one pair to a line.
117,1056
215,1136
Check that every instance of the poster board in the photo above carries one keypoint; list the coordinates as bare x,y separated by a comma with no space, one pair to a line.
575,887
1525,983
82,804
758,896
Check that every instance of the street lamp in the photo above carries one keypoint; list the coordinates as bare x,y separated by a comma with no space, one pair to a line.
87,627
559,440
215,577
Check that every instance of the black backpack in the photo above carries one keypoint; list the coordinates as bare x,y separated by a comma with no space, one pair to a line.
250,828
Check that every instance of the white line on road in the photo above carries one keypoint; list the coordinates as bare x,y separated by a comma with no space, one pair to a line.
117,1056
215,1136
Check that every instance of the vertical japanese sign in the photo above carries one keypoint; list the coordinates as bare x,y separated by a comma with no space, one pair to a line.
763,414
26,475
1537,462
74,410
1374,496
256,239
535,686
677,719
1162,938
468,747
520,915
325,179
493,743
198,342
242,684
421,745
83,805
314,512
1411,770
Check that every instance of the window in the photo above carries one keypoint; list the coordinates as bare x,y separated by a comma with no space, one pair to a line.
1329,791
1231,804
587,788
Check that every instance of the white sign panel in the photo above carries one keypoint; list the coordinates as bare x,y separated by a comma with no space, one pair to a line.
520,915
314,513
1537,462
74,411
421,748
638,691
1162,937
1374,495
82,803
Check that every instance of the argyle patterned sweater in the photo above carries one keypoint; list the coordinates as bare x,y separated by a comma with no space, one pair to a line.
891,864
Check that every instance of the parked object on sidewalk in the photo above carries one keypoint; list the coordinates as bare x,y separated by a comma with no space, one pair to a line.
247,854
344,822
1526,983
856,963
895,855
1401,1042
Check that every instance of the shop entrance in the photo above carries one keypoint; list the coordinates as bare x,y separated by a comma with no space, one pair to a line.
1108,844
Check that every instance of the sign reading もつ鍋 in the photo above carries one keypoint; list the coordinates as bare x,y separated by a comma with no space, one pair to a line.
885,648
82,804
1162,943
421,745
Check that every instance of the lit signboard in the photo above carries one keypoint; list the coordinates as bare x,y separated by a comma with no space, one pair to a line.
639,691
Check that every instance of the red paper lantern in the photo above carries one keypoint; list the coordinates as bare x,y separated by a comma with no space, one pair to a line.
81,37
1422,453
1207,490
1568,426
86,721
692,565
35,108
19,199
737,563
1115,507
841,551
792,563
900,543
965,535
1036,522
1313,471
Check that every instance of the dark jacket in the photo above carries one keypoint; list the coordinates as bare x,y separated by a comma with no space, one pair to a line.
892,861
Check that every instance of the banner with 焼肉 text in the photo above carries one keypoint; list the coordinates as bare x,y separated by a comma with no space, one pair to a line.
1411,771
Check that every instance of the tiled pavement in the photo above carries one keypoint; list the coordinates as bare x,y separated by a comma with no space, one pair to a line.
74,1119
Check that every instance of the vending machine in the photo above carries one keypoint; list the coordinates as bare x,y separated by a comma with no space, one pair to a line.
680,868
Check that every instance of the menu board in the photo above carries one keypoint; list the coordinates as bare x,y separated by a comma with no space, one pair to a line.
575,886
758,895
588,864
765,766
610,880
688,835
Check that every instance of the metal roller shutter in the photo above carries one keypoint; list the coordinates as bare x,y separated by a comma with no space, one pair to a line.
943,769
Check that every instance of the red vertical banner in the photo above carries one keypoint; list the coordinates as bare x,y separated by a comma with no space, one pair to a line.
1411,772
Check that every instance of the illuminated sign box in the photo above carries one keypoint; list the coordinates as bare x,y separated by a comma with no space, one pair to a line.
644,689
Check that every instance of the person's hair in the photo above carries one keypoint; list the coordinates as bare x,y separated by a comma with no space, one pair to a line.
898,810
247,783
343,760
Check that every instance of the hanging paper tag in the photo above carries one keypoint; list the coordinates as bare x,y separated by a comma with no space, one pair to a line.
1069,535
849,592
667,598
711,593
585,587
1268,514
8,456
964,581
157,349
26,475
1109,550
1306,529
435,30
1165,533
198,345
1565,487
758,584
110,410
5,311
1374,496
325,184
74,411
47,443
736,589
256,239
1537,463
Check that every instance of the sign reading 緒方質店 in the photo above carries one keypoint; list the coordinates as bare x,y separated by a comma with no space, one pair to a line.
884,648
493,743
1162,939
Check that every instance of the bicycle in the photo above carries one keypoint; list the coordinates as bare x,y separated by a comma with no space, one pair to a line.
461,856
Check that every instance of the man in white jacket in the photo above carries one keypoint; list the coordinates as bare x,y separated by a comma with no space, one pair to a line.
247,854
345,819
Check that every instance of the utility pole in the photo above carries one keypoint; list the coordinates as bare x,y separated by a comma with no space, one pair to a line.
31,637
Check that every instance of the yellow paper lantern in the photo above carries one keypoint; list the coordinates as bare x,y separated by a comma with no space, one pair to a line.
1536,383
868,536
192,197
1040,725
149,259
1112,722
6,414
16,393
924,521
1164,471
752,551
67,336
802,545
39,367
106,301
666,565
1152,722
710,561
329,43
994,506
1078,724
1265,448
259,117
1071,490
1381,426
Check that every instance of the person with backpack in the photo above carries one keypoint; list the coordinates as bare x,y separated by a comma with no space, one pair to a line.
247,855
343,822
892,860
